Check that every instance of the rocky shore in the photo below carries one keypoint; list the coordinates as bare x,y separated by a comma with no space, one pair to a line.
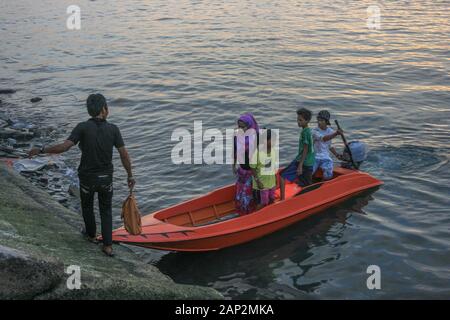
22,129
40,238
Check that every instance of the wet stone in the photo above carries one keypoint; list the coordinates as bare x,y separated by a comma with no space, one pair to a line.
60,198
6,133
11,141
7,91
12,156
30,174
22,145
74,190
7,149
24,277
34,100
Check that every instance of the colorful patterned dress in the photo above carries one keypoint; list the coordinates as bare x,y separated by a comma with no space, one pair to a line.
244,189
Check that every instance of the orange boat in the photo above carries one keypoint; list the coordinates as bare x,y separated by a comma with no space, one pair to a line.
210,222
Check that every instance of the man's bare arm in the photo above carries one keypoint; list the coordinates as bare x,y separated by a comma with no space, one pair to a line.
338,132
126,161
336,154
58,148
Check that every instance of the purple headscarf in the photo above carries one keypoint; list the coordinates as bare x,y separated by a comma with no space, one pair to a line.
250,121
250,141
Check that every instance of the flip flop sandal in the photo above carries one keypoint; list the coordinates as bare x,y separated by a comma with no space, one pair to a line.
90,239
108,253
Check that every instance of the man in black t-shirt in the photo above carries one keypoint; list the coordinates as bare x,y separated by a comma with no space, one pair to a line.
96,138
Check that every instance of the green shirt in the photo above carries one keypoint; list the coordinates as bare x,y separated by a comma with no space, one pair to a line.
306,138
265,169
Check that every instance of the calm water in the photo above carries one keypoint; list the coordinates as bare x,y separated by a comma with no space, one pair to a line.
164,64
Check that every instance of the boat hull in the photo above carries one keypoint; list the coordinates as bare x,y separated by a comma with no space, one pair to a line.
301,204
232,239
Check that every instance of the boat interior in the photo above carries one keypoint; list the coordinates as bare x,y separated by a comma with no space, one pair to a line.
222,207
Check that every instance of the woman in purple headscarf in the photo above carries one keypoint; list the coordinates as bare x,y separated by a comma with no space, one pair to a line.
245,143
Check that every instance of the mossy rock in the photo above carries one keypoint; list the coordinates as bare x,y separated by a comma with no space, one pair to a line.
38,232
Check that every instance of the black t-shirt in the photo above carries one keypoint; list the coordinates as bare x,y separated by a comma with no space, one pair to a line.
97,137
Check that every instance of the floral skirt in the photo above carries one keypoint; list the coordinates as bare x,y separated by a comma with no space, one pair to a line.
244,192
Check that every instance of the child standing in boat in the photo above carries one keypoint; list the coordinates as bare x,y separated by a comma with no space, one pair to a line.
322,136
264,164
301,169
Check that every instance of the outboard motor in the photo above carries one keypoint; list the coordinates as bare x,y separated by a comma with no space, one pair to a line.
359,152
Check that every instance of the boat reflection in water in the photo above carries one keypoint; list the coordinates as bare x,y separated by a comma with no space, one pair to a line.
275,266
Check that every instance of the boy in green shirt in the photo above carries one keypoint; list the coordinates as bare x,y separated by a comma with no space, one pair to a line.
263,168
301,169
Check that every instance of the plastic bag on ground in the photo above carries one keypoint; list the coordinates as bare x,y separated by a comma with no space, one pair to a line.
131,216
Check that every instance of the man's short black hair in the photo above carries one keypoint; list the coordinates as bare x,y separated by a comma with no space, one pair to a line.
95,103
305,113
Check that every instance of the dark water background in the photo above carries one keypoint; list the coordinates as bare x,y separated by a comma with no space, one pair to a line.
164,64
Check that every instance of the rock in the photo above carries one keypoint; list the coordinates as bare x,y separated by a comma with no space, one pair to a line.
6,133
11,152
12,142
74,190
7,230
45,131
22,145
7,149
34,100
60,199
45,233
25,277
7,91
55,189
